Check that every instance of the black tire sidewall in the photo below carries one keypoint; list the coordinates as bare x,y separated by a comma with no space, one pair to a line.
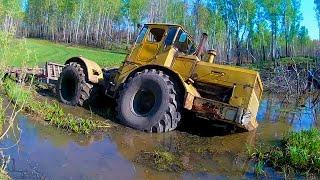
72,73
159,87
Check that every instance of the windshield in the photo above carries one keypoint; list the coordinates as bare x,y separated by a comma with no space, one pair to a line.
170,37
184,43
142,35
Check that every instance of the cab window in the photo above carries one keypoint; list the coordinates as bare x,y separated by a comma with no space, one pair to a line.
155,35
170,37
184,43
141,35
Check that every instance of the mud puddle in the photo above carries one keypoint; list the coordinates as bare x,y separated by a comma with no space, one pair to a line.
200,151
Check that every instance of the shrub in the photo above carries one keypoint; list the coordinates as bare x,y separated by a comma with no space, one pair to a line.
298,151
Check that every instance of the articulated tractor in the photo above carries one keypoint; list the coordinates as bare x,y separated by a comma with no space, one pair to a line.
166,75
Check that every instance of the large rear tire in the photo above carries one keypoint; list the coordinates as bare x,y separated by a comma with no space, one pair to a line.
149,102
73,88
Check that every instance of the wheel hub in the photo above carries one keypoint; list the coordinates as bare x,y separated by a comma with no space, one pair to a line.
143,102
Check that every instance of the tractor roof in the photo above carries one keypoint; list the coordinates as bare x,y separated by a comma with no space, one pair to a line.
164,25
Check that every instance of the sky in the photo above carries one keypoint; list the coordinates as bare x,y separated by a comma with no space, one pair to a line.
309,18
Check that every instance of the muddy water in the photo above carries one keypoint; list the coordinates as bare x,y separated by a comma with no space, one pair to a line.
205,150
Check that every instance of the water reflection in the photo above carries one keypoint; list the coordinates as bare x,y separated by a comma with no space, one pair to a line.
301,114
46,152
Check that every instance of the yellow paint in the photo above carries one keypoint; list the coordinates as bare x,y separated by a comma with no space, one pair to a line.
165,58
92,69
184,66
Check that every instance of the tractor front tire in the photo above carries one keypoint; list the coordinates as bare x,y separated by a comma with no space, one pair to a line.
149,102
72,87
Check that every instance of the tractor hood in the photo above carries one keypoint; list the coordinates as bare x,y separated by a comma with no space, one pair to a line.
225,75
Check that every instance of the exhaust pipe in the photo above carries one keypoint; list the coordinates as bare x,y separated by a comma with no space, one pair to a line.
202,44
212,55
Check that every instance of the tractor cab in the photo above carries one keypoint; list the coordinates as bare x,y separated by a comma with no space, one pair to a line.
157,42
156,39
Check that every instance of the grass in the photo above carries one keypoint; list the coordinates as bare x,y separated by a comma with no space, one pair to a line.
34,52
40,51
2,115
4,175
298,152
269,65
50,112
161,161
259,168
297,60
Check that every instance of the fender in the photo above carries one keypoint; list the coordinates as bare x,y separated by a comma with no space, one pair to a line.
92,70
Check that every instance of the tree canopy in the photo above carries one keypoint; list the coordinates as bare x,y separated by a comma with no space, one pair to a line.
240,30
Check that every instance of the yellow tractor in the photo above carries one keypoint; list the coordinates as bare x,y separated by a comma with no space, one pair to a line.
165,75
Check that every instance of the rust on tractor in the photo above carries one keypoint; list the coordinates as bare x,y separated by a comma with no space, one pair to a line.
216,110
208,108
49,73
188,103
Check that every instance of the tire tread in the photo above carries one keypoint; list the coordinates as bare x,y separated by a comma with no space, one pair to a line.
171,117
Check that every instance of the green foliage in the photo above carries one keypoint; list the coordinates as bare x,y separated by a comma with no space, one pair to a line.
69,122
51,112
14,51
161,161
176,12
2,115
2,12
298,151
4,175
259,168
11,8
15,93
257,29
267,65
303,36
297,60
136,10
317,9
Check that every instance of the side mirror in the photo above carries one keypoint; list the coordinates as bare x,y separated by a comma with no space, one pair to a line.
139,26
183,37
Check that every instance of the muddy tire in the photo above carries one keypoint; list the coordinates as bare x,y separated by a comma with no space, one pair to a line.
149,102
73,88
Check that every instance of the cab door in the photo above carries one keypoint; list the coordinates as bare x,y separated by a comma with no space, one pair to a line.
135,51
152,44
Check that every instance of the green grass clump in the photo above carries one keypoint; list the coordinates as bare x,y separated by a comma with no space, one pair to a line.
14,92
2,115
79,125
41,51
260,65
288,61
259,168
302,150
51,112
4,175
164,160
297,152
297,60
161,161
